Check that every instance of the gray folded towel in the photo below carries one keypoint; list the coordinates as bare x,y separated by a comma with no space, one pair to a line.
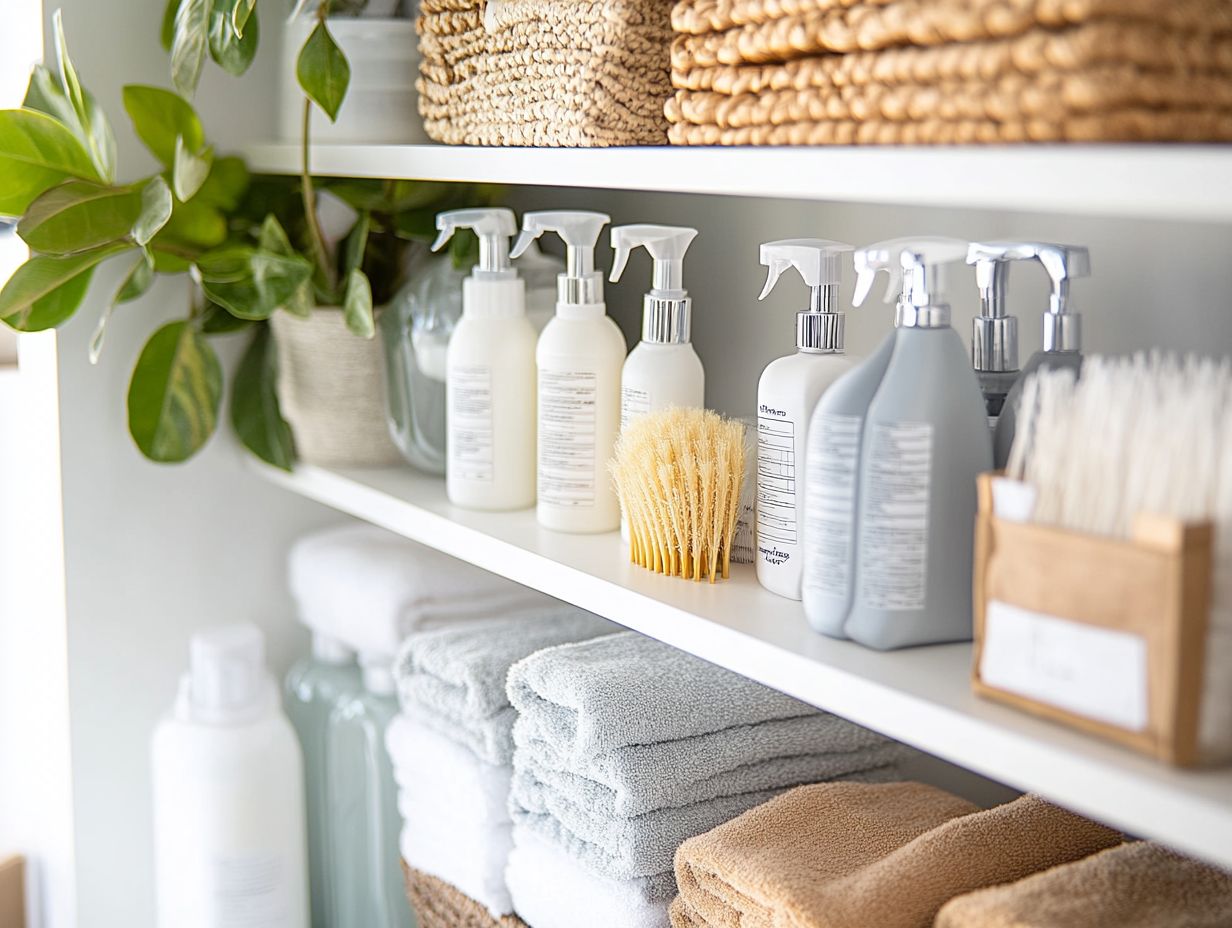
453,678
644,778
624,689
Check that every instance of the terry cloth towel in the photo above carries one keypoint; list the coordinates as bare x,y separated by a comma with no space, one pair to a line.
1136,885
453,679
439,905
550,889
455,813
370,588
846,855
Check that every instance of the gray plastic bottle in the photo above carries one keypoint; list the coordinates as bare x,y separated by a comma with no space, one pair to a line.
925,440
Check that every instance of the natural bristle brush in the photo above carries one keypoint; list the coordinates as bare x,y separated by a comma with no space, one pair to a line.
678,474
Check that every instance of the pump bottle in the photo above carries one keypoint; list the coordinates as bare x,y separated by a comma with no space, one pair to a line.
925,440
994,332
663,369
579,358
490,374
786,394
1062,339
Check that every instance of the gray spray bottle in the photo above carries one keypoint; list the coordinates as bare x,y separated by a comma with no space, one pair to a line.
925,441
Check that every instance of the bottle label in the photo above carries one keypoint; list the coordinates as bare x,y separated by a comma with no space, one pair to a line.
778,532
249,891
470,423
633,403
567,437
894,533
830,502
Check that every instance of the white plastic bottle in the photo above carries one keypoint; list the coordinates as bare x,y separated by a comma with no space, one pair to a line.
490,379
228,783
925,441
786,394
663,369
579,357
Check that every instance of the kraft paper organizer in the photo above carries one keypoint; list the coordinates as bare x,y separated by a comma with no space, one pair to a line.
1155,586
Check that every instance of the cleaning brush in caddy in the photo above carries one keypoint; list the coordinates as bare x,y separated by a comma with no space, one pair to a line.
678,473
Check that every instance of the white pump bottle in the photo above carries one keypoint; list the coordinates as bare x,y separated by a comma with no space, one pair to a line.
490,374
663,369
579,357
786,394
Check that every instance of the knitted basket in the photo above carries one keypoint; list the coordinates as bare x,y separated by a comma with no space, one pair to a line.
438,904
331,391
545,72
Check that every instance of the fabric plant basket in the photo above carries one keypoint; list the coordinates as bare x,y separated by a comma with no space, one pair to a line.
331,390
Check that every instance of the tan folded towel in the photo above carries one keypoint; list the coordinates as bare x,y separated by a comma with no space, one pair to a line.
438,904
850,855
1138,885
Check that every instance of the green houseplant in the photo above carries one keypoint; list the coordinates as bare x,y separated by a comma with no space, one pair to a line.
249,246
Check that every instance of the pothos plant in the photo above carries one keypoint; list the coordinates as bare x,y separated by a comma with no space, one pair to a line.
248,246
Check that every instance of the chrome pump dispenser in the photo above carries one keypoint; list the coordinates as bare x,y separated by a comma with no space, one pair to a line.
994,332
1062,335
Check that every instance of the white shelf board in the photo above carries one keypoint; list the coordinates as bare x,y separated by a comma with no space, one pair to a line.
920,696
1188,182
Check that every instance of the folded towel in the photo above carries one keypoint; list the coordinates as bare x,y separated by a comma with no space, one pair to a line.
642,845
472,860
1136,885
847,855
453,679
643,778
625,689
551,890
370,588
437,904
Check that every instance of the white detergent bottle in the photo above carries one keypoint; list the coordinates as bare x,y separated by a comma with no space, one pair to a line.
786,394
579,357
1062,341
925,441
832,467
228,786
490,379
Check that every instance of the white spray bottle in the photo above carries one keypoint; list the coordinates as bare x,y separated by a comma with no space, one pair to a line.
786,394
579,357
490,379
925,441
663,369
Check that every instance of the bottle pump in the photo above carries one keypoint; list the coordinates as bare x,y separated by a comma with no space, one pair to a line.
493,279
786,395
581,285
994,332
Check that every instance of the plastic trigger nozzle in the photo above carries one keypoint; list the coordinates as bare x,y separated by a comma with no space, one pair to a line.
819,262
493,225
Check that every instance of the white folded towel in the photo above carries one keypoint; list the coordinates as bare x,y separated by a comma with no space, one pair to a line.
370,588
550,889
473,862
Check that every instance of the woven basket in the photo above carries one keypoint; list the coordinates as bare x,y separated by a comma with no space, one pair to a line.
438,904
545,72
331,390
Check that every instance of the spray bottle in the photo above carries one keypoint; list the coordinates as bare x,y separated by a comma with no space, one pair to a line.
1062,341
994,332
490,373
786,394
579,357
925,440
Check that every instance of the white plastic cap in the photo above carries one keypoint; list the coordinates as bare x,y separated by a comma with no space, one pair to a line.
494,226
227,679
818,260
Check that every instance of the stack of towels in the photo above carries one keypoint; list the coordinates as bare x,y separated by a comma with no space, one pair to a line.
625,747
452,748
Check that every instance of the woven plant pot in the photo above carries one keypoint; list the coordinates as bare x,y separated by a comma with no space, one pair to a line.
331,390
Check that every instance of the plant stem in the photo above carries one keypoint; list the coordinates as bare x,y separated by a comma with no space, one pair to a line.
317,237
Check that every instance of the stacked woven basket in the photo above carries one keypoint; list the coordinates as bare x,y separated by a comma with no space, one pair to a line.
812,72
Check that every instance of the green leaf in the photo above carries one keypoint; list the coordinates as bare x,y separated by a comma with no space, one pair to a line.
279,278
418,225
135,283
255,413
226,185
190,171
78,216
250,283
46,290
93,129
192,25
217,321
36,153
241,12
174,394
160,118
233,49
156,207
166,32
356,243
464,249
323,71
193,225
357,305
273,237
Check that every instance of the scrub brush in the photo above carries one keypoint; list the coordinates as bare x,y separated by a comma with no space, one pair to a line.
678,474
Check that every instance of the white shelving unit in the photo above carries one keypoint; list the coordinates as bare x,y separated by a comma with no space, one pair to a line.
920,696
1186,182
